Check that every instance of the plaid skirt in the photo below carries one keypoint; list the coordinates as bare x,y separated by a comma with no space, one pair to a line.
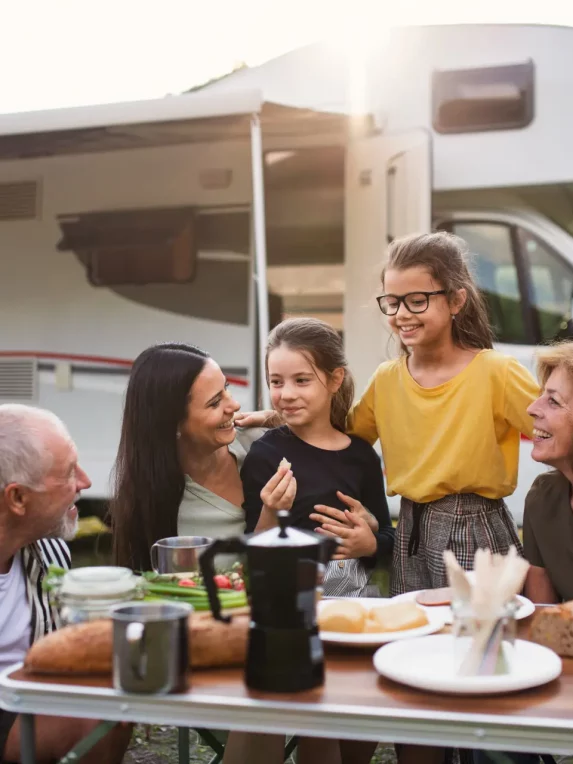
463,523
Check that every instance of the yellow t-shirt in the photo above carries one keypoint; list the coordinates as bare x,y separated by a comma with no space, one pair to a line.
460,437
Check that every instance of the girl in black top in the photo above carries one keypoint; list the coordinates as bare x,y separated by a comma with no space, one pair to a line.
310,462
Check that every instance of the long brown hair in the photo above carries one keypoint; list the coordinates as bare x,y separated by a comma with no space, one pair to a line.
148,479
446,257
322,344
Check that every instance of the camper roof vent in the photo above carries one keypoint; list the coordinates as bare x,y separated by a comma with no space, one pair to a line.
19,200
18,380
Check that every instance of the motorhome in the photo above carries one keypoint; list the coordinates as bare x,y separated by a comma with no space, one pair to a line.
207,217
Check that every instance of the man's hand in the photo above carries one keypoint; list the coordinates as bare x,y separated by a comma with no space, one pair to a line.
357,537
258,419
279,493
326,513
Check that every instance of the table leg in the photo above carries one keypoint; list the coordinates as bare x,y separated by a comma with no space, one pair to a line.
27,739
183,744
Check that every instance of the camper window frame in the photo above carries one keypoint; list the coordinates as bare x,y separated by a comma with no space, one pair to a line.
520,74
528,312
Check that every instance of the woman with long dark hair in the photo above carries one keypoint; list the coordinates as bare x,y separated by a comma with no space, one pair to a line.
177,473
177,468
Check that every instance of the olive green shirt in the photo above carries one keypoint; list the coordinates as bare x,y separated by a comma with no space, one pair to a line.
202,512
548,530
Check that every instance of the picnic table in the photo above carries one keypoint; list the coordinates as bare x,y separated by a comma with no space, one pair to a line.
354,703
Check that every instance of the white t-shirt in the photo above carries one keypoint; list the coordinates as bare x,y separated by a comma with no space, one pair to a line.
15,626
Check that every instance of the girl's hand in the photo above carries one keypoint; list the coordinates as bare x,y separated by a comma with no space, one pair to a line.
258,419
355,507
279,493
357,540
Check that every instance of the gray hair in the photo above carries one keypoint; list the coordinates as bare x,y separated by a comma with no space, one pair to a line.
24,457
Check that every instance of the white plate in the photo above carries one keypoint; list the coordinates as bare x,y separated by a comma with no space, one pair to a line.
526,606
428,664
436,622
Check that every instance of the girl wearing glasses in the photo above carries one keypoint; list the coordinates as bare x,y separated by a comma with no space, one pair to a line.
449,413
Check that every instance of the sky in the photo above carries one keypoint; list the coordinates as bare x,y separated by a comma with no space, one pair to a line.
56,53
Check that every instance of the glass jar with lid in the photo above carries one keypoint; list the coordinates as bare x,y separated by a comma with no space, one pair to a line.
85,594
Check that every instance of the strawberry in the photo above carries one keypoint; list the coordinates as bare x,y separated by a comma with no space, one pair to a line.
222,581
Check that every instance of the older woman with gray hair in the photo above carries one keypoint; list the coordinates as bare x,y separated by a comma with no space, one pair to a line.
548,515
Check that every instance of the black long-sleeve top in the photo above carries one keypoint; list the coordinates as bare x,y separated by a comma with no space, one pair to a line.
355,471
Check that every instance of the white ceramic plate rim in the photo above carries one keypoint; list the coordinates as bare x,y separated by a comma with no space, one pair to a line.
526,608
391,662
437,622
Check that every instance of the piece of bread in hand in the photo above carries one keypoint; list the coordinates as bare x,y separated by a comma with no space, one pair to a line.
553,627
87,648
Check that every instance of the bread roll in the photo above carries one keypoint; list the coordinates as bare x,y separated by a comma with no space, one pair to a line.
87,648
553,627
347,616
219,644
396,617
435,597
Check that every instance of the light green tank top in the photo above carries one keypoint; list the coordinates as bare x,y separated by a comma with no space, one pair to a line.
202,512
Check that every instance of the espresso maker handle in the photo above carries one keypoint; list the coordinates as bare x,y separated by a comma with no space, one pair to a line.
207,566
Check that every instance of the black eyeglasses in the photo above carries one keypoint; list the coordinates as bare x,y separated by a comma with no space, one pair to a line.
415,302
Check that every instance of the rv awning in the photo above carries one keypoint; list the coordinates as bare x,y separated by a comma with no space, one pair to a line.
174,120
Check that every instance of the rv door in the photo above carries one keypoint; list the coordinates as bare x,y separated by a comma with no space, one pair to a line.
387,194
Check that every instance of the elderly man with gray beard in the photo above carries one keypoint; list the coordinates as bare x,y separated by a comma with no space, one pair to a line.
40,482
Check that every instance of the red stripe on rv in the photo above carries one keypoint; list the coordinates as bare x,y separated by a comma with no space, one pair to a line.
123,362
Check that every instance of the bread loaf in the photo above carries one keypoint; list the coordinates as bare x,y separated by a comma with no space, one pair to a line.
553,628
87,648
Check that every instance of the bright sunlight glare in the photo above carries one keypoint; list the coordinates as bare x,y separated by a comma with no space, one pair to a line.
76,52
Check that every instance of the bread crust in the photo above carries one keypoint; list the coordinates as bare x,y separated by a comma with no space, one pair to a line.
553,627
84,648
87,648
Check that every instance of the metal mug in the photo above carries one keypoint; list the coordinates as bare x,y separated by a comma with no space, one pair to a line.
178,554
150,647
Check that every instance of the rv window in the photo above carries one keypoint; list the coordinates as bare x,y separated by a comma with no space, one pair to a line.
551,285
149,246
491,98
220,288
495,271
